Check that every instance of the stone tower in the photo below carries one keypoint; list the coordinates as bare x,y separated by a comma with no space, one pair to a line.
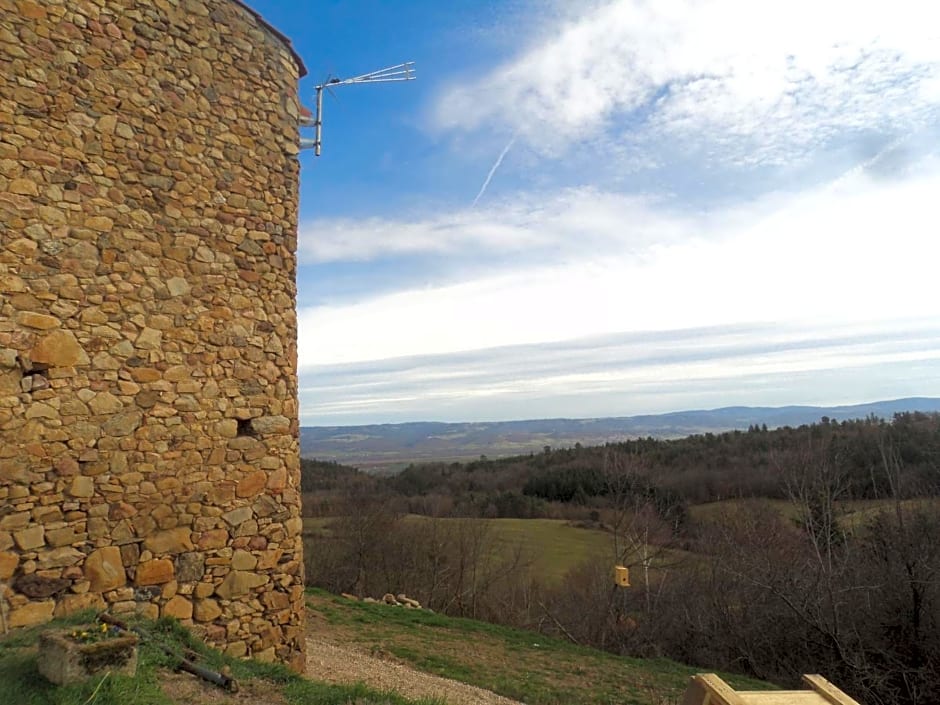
148,375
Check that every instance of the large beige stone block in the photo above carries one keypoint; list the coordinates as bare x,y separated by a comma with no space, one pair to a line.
122,424
236,649
100,223
11,283
59,349
206,610
105,403
264,425
30,538
82,486
70,604
32,613
243,560
8,563
178,607
104,569
238,583
59,558
269,558
252,484
40,321
178,286
173,541
155,572
212,539
277,480
238,516
23,187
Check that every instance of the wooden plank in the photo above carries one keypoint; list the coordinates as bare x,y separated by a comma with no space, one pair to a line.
709,689
718,692
781,697
828,691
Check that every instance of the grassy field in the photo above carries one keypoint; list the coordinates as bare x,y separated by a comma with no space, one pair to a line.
551,547
711,511
518,664
155,684
853,513
554,546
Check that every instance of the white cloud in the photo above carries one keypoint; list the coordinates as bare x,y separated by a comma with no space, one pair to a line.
630,374
764,82
574,218
858,249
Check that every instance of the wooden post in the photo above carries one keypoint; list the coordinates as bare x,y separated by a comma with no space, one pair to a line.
713,690
827,690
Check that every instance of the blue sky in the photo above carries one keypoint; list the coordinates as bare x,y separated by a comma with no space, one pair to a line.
617,207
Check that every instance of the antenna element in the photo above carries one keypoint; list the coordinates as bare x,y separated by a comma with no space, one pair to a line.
399,72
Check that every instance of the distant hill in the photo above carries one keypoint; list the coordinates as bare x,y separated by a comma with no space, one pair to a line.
390,446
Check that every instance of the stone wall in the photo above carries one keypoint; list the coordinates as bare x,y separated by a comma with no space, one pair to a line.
148,388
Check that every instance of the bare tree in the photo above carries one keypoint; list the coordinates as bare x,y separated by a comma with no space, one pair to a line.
641,535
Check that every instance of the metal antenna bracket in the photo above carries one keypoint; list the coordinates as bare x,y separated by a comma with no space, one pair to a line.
399,72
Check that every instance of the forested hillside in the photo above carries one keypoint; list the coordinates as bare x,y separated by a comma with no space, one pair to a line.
383,447
767,552
700,468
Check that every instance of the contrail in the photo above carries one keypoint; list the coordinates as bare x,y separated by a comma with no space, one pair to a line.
866,164
489,177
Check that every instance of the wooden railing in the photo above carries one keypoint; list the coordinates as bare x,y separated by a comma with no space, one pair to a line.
709,689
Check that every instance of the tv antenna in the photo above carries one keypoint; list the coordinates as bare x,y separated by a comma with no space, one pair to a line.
399,72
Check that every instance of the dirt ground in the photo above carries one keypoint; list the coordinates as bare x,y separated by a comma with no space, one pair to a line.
186,689
330,661
337,663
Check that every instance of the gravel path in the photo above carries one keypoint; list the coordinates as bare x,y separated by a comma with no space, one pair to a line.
344,664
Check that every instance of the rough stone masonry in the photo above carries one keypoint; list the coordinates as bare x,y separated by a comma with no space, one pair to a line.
148,376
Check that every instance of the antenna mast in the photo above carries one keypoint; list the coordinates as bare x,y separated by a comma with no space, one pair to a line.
399,72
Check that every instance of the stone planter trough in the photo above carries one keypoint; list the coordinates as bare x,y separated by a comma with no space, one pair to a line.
63,660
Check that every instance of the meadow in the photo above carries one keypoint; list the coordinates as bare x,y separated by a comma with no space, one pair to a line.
519,664
550,547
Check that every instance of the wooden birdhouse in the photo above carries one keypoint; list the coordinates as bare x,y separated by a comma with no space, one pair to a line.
621,576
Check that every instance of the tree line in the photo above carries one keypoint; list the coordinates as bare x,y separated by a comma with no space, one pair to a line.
749,588
701,468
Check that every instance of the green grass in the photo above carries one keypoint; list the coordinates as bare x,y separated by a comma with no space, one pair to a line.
550,547
712,511
21,682
853,513
518,664
554,546
857,513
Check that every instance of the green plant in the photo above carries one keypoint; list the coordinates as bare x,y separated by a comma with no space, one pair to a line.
94,634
